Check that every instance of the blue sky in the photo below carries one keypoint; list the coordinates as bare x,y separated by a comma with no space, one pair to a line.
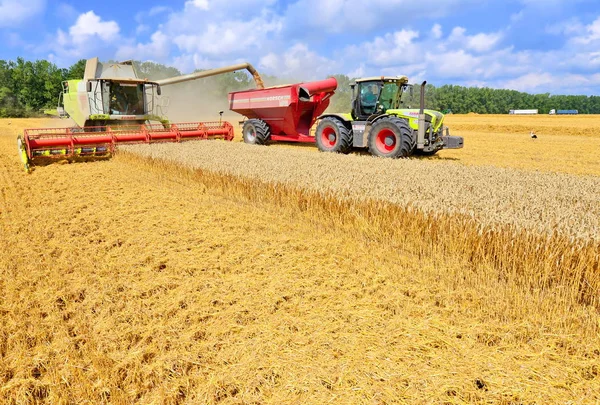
527,45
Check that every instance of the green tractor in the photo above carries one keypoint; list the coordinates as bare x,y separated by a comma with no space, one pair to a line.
378,122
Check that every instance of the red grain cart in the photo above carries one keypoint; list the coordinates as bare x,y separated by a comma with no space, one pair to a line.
282,113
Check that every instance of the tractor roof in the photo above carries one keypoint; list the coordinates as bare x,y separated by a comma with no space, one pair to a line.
402,79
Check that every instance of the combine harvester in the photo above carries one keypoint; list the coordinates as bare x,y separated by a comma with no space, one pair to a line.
111,106
376,120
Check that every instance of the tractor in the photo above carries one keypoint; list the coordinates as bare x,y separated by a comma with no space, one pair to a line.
378,122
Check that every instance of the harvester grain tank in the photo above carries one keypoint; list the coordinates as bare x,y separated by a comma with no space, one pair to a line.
111,105
376,120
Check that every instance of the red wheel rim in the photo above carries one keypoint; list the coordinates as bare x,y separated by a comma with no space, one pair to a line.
328,137
385,141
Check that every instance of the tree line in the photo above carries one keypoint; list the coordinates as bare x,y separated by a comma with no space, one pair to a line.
29,87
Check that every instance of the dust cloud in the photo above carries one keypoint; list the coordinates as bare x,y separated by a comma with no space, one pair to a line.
203,99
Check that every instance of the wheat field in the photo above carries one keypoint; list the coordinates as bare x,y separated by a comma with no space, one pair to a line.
219,273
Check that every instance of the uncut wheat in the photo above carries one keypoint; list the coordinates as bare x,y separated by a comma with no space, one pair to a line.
550,203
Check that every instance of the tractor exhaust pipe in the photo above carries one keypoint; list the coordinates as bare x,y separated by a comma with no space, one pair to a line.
421,131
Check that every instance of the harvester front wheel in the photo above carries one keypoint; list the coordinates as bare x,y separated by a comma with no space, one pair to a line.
256,132
391,137
333,136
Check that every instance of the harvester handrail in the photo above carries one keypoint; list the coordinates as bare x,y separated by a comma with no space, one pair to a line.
213,72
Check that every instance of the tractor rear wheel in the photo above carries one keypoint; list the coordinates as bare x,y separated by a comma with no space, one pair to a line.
333,136
256,132
391,137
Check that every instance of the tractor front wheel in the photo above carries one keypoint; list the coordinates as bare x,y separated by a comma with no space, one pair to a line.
256,132
391,137
333,136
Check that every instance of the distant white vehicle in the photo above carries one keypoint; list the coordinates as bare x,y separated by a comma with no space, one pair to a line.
563,112
523,112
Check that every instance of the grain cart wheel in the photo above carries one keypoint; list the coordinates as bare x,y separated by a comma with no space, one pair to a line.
256,132
333,136
391,137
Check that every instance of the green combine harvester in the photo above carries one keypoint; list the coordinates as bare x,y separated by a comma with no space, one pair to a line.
111,105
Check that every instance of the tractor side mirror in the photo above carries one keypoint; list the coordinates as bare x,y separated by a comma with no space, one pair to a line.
88,86
158,91
411,91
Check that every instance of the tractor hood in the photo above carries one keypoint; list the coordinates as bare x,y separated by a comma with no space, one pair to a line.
412,114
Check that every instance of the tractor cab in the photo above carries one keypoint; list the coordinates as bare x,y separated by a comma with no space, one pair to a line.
375,95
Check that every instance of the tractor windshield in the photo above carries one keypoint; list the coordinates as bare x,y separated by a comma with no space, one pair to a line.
379,96
389,96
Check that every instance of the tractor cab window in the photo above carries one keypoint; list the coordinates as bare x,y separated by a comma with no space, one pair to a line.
407,98
127,99
369,94
389,94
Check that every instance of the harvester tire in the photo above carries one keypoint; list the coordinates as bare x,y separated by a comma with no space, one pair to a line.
333,136
256,132
391,137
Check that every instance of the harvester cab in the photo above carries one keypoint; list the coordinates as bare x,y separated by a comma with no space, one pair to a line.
110,94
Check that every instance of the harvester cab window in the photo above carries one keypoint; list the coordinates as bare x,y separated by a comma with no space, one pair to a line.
369,94
126,99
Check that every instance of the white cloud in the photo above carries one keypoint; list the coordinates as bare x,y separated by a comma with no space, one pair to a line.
158,10
530,81
337,16
479,42
298,63
390,49
141,29
157,49
14,12
227,38
89,25
436,31
87,36
592,33
201,4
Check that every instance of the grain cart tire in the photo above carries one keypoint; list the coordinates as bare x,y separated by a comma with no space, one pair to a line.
333,136
391,137
256,132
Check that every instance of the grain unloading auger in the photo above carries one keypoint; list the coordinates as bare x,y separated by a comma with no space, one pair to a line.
112,106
